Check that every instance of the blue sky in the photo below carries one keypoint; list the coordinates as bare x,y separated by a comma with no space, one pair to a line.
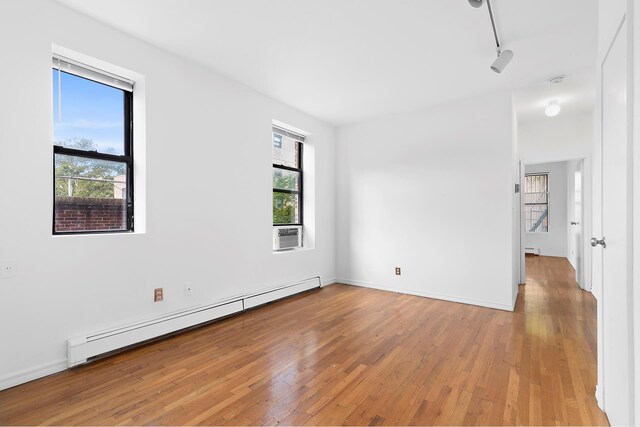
90,110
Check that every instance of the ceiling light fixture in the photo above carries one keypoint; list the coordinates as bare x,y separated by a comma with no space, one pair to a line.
552,109
504,56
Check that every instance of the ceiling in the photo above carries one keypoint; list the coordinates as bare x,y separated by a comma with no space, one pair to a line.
575,95
346,61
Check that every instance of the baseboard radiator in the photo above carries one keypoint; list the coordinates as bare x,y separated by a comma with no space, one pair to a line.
534,251
82,349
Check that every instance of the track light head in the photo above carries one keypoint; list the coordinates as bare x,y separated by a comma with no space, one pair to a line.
476,3
501,62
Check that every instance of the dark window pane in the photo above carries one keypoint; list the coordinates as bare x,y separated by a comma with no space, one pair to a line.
90,194
286,208
87,115
286,180
287,154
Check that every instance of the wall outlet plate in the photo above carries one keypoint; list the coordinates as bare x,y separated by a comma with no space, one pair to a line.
398,271
158,294
8,268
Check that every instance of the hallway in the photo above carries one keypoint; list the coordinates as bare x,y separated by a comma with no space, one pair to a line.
557,322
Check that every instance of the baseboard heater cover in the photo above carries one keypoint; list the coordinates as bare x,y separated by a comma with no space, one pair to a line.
534,251
81,349
260,298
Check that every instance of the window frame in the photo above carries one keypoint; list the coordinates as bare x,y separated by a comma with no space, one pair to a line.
126,158
547,204
300,191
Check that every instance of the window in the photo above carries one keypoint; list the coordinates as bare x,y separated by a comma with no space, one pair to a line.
277,141
92,150
536,203
287,177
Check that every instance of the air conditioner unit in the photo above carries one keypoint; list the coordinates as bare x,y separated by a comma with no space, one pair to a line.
287,238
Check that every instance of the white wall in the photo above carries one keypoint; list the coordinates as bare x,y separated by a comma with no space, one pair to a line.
556,138
200,127
554,242
430,192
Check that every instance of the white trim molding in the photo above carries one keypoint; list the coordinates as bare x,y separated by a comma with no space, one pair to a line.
33,373
330,281
599,397
450,298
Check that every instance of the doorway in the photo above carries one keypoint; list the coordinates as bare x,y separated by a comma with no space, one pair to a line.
552,213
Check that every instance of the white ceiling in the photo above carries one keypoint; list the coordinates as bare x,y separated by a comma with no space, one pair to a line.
575,95
351,60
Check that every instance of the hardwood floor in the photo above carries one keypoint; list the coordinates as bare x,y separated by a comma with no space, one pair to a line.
348,355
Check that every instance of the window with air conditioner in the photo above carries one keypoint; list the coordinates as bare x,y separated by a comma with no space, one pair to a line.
92,150
287,180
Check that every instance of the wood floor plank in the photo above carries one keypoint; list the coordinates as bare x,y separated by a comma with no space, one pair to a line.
345,355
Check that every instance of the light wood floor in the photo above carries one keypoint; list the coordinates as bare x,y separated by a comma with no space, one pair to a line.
348,355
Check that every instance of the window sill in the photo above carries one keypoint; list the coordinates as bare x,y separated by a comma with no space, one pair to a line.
112,233
293,250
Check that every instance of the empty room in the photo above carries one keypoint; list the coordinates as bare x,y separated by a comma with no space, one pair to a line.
320,212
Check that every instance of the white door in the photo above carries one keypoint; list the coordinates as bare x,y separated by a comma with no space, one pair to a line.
615,216
576,224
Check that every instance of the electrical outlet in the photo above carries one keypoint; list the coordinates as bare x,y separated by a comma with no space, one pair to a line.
398,271
158,294
188,289
7,268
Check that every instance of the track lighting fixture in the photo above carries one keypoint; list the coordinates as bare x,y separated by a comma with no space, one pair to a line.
504,56
476,3
502,61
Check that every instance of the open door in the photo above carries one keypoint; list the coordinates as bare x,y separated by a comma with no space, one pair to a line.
576,225
611,248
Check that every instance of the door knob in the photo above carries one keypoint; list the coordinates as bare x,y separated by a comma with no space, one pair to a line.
574,223
595,242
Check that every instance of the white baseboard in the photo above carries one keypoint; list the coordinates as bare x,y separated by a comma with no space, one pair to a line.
31,374
450,298
327,282
599,397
